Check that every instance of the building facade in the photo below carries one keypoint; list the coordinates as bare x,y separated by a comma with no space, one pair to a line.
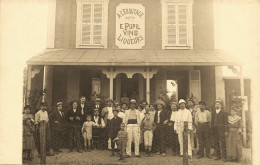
112,47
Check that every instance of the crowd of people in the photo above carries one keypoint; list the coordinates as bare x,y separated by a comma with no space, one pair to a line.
128,126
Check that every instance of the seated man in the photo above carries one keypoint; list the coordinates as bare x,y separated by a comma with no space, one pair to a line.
98,130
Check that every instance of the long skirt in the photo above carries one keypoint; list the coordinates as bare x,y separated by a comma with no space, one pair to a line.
28,142
234,144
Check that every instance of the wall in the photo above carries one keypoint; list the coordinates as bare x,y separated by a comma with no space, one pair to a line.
65,27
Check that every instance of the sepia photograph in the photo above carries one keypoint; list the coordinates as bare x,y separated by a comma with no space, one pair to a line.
111,82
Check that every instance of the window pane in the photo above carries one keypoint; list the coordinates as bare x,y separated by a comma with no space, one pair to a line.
97,33
171,14
172,34
97,13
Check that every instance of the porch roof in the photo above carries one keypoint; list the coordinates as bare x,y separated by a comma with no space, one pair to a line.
115,57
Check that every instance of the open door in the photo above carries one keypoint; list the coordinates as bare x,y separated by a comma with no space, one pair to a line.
195,83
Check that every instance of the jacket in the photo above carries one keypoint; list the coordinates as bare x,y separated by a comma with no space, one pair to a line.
220,121
55,116
114,126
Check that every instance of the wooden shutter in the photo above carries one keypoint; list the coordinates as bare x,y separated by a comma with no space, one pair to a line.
195,85
182,25
97,24
171,25
86,25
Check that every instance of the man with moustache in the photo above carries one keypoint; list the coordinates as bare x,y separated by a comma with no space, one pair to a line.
183,115
203,122
219,124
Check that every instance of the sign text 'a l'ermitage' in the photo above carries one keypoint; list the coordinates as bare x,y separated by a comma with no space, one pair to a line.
130,26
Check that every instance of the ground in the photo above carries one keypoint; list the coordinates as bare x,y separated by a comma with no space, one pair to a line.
98,157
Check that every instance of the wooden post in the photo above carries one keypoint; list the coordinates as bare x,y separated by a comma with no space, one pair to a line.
111,78
148,85
43,126
243,108
185,143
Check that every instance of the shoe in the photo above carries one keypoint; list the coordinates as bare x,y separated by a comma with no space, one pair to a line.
200,156
157,153
138,156
49,154
163,154
225,160
146,154
209,157
80,151
180,155
127,156
218,158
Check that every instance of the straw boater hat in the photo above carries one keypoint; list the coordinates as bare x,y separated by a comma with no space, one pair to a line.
58,103
218,101
159,102
182,101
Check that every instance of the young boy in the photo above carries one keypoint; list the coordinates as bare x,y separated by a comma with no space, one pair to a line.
87,132
148,126
121,140
114,128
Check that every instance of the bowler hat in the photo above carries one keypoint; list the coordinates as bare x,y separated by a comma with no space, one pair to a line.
160,102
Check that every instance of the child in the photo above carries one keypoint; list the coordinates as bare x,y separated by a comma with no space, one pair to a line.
121,140
148,126
28,140
27,113
114,128
87,132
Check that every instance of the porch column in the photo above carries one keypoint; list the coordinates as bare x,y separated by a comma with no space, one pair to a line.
141,87
111,83
148,85
47,85
29,82
220,84
243,108
118,87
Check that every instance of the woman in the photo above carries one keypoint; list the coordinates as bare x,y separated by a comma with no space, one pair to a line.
28,140
234,143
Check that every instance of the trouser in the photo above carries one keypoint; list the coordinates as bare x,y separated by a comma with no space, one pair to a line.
180,136
48,139
203,131
74,135
96,137
192,136
220,139
133,131
174,142
148,138
160,139
57,136
121,146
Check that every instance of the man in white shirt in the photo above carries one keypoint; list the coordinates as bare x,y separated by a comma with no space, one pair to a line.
203,122
190,107
42,115
183,115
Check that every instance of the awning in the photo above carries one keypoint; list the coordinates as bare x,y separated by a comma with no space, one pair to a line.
109,57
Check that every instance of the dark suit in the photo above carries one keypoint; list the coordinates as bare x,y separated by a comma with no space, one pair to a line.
174,142
58,129
159,142
85,112
94,106
74,128
98,134
114,128
219,123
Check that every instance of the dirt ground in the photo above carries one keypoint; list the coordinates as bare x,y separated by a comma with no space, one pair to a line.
102,157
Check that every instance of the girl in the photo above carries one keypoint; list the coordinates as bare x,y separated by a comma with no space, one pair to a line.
234,143
27,113
87,132
28,140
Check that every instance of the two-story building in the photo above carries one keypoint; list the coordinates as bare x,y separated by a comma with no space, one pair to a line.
119,46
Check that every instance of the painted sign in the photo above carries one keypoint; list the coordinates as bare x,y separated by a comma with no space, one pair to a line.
130,26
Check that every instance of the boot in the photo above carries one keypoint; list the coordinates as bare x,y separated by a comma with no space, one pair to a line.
112,153
88,148
150,154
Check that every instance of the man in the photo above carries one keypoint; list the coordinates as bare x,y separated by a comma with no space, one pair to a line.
124,98
97,105
133,122
183,115
73,117
107,114
57,120
173,135
203,122
83,109
161,119
114,128
98,130
42,115
190,107
219,125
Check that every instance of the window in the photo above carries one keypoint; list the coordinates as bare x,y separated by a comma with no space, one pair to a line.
92,23
176,24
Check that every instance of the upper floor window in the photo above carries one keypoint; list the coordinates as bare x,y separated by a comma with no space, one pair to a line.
177,24
92,18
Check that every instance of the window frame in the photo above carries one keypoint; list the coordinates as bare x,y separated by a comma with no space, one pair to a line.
104,23
164,8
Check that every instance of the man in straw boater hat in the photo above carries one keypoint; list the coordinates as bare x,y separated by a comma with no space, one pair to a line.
183,115
174,136
42,115
203,122
219,125
107,114
161,119
57,121
133,122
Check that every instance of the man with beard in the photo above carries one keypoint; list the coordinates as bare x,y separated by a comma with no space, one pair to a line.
42,115
203,121
219,125
183,115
